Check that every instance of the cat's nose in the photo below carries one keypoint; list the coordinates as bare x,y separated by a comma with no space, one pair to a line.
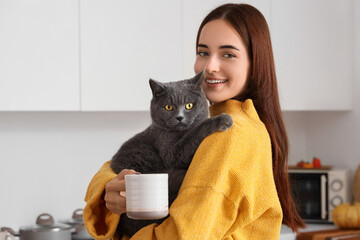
179,118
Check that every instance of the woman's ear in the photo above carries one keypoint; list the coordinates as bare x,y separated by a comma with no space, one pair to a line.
157,87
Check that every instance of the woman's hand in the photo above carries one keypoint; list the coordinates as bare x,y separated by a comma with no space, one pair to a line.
114,192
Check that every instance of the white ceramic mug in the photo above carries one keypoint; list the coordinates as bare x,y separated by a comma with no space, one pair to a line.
147,196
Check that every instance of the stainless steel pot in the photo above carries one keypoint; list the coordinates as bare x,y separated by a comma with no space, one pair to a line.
46,229
77,222
6,233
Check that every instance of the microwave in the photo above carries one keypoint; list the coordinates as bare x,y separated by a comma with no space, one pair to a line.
317,192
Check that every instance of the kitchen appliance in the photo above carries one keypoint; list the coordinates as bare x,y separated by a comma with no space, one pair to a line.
317,192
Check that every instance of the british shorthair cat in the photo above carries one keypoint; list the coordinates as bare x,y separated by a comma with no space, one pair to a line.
180,122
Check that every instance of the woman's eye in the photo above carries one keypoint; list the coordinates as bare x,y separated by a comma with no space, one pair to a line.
189,106
168,107
202,53
229,55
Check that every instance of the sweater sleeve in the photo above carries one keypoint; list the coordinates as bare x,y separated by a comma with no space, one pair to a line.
229,186
99,221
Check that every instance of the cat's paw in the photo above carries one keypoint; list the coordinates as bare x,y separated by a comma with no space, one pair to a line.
224,122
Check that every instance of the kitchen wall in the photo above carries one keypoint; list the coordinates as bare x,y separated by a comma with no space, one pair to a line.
334,137
48,158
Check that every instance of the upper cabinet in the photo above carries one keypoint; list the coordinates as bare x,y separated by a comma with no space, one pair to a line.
39,55
123,44
312,43
92,55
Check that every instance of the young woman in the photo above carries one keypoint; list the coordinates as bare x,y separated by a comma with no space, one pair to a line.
237,185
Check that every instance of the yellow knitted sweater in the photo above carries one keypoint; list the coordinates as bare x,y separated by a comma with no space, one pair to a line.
228,191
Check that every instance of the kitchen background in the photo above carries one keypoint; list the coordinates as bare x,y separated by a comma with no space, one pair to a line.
73,86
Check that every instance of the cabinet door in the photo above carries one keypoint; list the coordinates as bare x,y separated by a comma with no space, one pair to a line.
123,44
193,14
312,47
39,55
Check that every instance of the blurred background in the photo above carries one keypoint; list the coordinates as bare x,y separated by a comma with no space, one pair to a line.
74,86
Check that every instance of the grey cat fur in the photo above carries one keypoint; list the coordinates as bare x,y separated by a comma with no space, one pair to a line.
171,140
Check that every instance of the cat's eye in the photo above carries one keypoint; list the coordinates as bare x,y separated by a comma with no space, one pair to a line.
168,107
189,106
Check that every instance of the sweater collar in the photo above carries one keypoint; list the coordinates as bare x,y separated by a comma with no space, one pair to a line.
234,107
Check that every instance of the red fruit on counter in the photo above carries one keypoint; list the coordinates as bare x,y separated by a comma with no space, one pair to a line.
316,162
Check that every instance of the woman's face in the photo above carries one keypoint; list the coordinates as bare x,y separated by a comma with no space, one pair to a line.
224,59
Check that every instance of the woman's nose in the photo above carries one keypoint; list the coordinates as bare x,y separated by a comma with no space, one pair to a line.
212,65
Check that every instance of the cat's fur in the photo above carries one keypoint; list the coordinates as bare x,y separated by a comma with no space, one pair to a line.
171,140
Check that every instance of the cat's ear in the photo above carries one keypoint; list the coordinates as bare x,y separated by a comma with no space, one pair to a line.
157,88
197,80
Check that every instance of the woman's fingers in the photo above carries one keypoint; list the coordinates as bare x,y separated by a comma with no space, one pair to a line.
114,197
115,185
116,204
121,175
118,183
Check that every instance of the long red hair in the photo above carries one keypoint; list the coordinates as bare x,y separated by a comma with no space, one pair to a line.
262,88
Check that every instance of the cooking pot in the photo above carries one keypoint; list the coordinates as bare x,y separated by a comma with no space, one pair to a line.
77,222
6,234
44,229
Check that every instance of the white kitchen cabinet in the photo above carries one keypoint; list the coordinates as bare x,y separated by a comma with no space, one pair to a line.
123,44
193,14
39,55
91,55
312,43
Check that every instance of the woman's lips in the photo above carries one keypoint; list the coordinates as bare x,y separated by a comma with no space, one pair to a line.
215,82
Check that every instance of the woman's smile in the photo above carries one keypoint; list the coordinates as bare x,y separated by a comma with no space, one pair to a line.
215,82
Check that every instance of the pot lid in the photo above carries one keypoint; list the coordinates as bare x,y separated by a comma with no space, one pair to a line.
45,223
77,218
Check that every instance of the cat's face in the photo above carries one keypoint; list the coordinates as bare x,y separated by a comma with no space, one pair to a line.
177,106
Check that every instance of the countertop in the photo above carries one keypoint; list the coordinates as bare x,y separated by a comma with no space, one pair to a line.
287,234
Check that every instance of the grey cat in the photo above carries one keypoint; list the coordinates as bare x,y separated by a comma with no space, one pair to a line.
180,122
